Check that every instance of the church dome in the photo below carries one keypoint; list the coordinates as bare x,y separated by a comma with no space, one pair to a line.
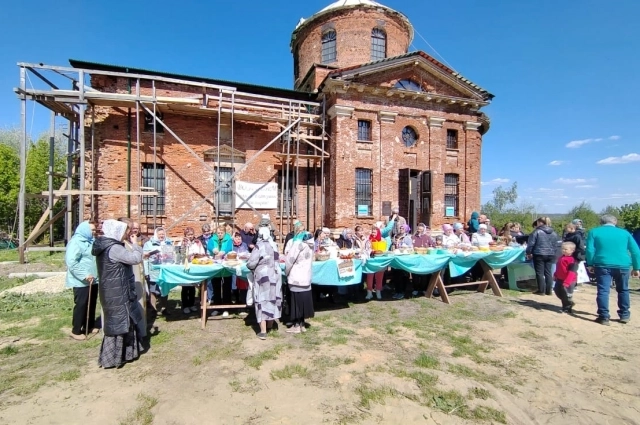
346,4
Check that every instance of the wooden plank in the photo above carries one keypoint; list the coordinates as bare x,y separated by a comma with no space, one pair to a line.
436,282
45,248
203,304
73,192
462,285
44,227
491,280
45,214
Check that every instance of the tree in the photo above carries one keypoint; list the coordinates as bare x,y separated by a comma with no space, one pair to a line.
584,212
36,180
9,186
630,215
503,208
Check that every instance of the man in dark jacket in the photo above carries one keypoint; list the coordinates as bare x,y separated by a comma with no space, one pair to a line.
542,246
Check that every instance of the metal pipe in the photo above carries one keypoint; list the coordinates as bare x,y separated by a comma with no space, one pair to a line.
81,186
129,152
216,172
322,193
231,178
23,164
52,138
94,185
155,156
139,177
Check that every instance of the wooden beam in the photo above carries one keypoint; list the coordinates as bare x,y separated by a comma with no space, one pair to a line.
73,192
44,227
45,214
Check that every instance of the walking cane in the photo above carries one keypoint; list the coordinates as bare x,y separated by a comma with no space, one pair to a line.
86,326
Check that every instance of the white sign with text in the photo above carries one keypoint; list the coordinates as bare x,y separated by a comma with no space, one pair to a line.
261,196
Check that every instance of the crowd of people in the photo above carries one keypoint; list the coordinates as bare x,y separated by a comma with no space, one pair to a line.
114,262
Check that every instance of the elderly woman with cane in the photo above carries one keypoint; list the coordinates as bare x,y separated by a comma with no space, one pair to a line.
82,276
122,313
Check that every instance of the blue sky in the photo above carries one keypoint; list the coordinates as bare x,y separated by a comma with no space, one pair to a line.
565,73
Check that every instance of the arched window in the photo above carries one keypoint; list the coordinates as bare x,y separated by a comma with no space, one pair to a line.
378,44
409,136
329,51
408,85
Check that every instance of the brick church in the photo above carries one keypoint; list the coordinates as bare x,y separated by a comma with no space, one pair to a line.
367,126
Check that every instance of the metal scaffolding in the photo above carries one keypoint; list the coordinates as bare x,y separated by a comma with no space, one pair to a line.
301,123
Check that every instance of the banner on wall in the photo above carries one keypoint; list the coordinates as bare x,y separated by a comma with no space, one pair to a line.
261,196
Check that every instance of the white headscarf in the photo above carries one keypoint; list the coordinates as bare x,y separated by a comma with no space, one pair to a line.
264,233
114,229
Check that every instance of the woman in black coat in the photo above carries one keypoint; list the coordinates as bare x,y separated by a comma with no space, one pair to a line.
121,311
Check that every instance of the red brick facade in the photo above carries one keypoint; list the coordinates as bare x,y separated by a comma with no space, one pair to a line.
444,102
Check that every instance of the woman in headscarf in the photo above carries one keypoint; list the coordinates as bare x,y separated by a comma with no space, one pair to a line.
267,286
449,238
121,342
190,247
220,244
474,222
82,277
152,250
299,263
346,239
378,276
458,230
138,273
482,238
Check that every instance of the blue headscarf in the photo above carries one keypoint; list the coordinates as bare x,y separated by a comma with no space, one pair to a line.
83,232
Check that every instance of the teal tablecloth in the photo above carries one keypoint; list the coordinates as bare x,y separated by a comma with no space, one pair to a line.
461,263
326,272
423,264
323,273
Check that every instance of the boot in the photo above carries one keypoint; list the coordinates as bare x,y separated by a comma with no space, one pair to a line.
369,295
379,295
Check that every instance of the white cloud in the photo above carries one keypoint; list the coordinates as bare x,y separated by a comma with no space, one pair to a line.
495,181
557,162
625,159
578,143
586,186
573,181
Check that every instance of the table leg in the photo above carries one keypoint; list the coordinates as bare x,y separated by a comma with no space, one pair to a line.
490,279
436,282
203,304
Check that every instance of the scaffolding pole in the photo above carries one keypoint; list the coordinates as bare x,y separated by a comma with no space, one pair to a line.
52,140
23,164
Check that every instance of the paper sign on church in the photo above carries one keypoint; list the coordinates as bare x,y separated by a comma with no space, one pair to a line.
261,196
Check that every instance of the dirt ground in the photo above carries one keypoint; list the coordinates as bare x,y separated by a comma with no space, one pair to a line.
482,359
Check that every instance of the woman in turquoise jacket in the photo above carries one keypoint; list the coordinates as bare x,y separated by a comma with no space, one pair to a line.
82,276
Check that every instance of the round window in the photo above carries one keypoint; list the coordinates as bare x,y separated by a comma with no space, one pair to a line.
409,136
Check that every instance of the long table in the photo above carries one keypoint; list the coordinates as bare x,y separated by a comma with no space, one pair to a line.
326,272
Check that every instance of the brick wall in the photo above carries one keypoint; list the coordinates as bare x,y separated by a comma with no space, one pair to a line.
353,30
187,179
386,154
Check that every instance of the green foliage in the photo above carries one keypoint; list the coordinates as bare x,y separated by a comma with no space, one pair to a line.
584,212
36,180
630,216
503,208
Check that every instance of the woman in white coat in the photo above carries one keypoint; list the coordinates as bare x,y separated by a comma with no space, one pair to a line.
298,265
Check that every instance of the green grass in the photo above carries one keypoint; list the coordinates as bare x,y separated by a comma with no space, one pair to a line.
532,336
465,346
377,395
12,282
427,361
142,414
289,371
489,414
480,393
9,350
339,336
467,372
250,385
55,258
257,360
68,375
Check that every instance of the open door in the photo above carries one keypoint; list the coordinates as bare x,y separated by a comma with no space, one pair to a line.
409,196
426,198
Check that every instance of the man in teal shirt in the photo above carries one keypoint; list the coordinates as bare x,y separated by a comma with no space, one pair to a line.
612,252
